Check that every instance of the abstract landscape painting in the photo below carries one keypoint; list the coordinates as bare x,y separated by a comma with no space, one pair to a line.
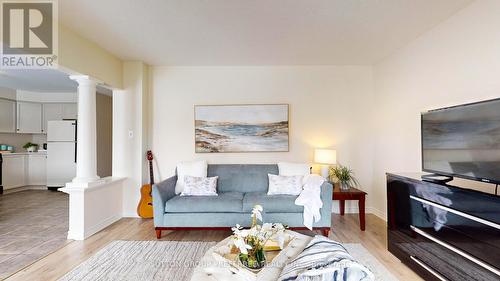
241,128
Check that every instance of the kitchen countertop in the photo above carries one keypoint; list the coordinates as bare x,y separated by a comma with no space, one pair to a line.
44,152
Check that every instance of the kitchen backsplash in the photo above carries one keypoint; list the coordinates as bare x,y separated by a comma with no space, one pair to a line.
40,140
18,140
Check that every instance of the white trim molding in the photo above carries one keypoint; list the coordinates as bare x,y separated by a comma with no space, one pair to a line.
355,210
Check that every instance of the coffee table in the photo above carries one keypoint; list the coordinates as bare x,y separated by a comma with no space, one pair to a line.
211,269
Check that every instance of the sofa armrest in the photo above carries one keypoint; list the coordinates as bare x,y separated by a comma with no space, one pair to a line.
162,192
326,210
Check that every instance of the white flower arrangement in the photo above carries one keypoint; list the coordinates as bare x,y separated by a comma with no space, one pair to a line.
249,241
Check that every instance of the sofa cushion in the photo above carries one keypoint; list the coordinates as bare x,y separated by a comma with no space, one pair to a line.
226,202
271,203
242,178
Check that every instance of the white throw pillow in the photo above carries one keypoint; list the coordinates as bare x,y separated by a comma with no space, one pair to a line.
197,186
194,169
285,185
293,169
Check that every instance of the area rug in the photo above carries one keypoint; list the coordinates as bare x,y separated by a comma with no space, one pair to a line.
362,255
172,260
141,260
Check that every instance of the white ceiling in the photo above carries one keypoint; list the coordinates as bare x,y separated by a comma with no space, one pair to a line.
37,80
254,32
42,80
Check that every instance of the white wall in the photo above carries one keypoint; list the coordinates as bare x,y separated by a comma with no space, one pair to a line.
329,107
93,208
129,140
456,62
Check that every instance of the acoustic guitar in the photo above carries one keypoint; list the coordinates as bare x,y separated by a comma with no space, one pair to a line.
145,207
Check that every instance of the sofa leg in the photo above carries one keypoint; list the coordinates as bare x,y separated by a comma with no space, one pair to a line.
326,232
158,233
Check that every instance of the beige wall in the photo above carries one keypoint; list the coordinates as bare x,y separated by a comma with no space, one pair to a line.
456,62
79,55
329,107
104,117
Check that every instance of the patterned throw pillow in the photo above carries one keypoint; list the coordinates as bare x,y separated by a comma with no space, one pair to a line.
285,185
199,186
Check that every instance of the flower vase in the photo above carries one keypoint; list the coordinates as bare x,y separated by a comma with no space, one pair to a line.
344,186
254,260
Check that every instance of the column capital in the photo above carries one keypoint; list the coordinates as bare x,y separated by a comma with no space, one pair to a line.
84,79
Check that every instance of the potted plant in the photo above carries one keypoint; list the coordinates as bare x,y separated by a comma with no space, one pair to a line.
250,242
343,176
30,147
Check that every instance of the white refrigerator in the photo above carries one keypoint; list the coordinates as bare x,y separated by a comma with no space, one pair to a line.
61,152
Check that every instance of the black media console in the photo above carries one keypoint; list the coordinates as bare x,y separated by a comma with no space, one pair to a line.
443,232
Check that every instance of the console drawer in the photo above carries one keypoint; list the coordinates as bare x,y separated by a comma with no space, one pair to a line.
443,262
467,233
443,232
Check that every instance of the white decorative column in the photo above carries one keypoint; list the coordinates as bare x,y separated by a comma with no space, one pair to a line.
86,153
86,183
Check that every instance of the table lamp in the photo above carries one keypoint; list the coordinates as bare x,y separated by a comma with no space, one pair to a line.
325,157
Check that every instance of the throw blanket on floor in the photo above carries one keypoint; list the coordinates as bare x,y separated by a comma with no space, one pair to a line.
310,198
325,260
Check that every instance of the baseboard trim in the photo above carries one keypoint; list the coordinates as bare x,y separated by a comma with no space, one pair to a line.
130,215
368,210
102,225
379,213
75,236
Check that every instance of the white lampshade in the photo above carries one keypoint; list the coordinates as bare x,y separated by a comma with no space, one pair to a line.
325,156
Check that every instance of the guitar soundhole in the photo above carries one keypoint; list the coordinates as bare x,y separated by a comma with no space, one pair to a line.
150,204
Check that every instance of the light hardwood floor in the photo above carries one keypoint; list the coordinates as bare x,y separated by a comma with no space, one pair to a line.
345,229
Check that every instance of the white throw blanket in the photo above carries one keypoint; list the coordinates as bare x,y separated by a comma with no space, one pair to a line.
310,198
325,260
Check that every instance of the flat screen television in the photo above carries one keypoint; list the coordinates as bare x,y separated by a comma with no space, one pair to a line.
463,141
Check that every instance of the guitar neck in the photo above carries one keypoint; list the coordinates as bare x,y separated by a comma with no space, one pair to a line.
151,176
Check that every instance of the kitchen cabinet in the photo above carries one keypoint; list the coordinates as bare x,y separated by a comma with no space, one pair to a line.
13,171
29,118
51,112
37,169
7,116
58,111
22,169
70,111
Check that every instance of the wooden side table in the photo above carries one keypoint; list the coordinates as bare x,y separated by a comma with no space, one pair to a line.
351,194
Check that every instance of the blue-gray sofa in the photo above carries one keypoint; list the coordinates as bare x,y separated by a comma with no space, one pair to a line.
239,188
